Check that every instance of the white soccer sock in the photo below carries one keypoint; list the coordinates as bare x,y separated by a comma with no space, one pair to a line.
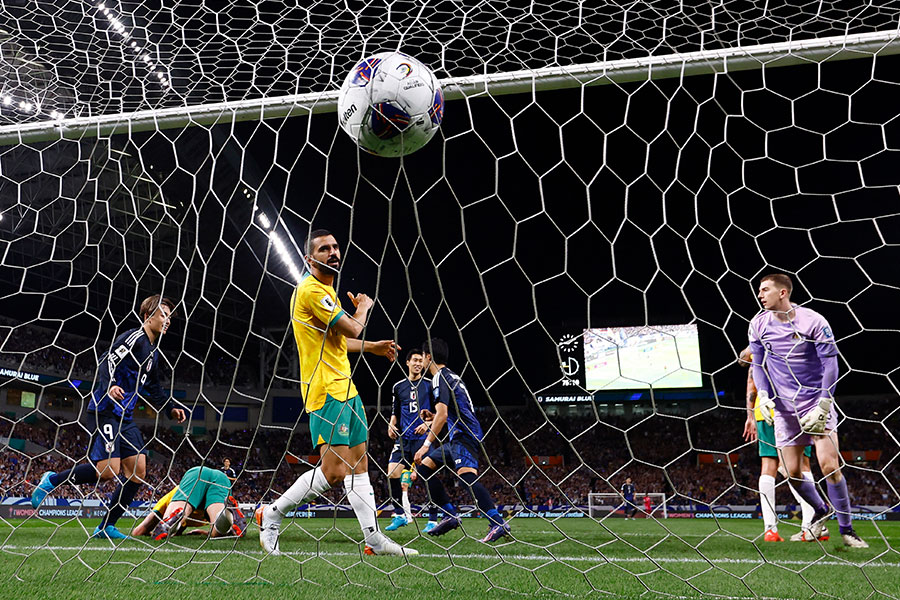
806,507
308,486
407,509
362,498
767,502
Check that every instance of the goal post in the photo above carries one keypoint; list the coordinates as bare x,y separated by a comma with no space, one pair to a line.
604,504
666,66
630,169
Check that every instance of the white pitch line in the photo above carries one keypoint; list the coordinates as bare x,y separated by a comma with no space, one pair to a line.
506,557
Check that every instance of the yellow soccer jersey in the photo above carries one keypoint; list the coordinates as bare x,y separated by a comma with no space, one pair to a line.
324,366
756,411
163,503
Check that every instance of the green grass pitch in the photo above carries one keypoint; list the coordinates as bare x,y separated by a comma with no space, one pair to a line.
576,557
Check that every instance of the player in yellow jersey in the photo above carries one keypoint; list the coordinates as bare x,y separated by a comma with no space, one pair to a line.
324,333
756,428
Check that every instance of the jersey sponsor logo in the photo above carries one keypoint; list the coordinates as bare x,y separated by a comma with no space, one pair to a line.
328,303
826,331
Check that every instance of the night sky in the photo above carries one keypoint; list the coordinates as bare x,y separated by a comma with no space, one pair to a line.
527,218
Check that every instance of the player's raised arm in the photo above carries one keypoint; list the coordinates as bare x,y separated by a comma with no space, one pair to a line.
351,326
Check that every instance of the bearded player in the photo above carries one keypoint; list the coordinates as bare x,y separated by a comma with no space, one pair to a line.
795,368
759,428
324,333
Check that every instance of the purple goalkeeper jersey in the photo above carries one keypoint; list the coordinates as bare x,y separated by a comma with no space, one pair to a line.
793,355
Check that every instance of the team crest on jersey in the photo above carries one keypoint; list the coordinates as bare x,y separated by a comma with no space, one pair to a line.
149,364
413,394
826,331
110,446
343,429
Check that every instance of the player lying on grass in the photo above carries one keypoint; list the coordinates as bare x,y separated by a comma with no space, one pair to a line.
453,407
150,526
756,428
201,497
795,368
127,373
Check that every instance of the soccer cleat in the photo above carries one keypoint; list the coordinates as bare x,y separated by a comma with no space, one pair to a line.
168,526
268,532
429,526
448,523
379,544
772,536
495,533
853,540
109,533
818,522
804,536
398,522
42,489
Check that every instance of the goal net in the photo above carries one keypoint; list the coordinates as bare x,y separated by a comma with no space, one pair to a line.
645,504
587,231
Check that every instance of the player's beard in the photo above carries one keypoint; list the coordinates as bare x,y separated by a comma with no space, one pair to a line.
330,269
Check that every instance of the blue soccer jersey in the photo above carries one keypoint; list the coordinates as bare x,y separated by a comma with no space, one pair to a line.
409,397
132,364
450,390
628,491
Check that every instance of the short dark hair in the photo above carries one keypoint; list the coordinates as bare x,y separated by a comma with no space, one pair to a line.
779,279
315,233
438,350
152,303
413,352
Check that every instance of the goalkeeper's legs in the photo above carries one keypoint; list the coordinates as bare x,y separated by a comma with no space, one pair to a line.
828,455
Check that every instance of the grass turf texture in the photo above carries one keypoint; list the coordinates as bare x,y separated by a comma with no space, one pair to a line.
629,559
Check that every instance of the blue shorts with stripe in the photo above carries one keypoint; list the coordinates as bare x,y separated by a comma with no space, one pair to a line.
457,454
113,438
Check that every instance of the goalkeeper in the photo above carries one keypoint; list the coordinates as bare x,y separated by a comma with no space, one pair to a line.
200,488
756,428
795,368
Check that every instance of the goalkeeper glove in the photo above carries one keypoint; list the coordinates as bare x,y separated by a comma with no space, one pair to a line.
766,406
814,421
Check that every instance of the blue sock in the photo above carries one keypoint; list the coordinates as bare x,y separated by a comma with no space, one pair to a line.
76,475
122,498
494,516
449,509
482,498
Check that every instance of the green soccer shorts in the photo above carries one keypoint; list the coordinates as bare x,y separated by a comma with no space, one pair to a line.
202,486
339,423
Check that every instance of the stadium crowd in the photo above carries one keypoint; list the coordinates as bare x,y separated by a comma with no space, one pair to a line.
659,454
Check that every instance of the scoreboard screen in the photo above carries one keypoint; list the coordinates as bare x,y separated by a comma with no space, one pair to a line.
629,358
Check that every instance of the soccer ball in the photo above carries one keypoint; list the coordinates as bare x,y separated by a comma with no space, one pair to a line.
390,104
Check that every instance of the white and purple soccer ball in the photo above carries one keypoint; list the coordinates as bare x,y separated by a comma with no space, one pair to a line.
390,104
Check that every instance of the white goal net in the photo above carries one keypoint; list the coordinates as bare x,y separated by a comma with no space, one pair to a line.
645,504
587,231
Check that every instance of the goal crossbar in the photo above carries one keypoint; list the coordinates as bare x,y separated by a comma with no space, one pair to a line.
667,66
